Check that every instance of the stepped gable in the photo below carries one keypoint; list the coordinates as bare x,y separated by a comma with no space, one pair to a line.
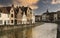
16,10
24,9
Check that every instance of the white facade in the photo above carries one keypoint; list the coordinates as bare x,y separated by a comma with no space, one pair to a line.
33,18
15,17
44,17
55,17
4,19
11,16
24,19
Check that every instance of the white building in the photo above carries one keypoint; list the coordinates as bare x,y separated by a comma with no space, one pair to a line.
24,19
44,17
18,15
55,17
33,18
11,16
4,18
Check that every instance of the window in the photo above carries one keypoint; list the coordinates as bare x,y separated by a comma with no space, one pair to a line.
11,15
11,21
11,10
0,15
0,21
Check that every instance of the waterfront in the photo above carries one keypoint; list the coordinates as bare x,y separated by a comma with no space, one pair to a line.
46,30
39,30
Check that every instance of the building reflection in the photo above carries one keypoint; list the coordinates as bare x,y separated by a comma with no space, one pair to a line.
25,32
58,30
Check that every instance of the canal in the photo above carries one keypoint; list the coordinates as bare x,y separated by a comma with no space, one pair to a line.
41,30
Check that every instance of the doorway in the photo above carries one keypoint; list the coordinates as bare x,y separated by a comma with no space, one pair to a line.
4,22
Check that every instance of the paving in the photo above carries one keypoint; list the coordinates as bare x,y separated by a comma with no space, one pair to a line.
46,30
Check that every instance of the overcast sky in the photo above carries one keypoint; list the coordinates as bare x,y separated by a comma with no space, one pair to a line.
39,6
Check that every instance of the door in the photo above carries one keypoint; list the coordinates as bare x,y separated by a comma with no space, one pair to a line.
4,22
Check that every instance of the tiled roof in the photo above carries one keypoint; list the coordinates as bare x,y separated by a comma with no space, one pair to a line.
5,9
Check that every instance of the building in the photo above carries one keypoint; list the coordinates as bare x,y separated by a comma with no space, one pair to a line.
58,15
45,16
55,17
24,19
25,14
4,15
4,19
38,18
16,15
51,16
33,18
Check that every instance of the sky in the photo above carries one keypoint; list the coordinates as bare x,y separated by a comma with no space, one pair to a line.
38,6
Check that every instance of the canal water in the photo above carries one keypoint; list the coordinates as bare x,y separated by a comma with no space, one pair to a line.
45,30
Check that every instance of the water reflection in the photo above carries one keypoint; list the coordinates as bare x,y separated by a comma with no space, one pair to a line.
24,32
31,31
58,30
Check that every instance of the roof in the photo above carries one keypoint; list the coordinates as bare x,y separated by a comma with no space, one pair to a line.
24,9
50,13
37,15
5,9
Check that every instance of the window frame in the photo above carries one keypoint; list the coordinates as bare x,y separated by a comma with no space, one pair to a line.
11,21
